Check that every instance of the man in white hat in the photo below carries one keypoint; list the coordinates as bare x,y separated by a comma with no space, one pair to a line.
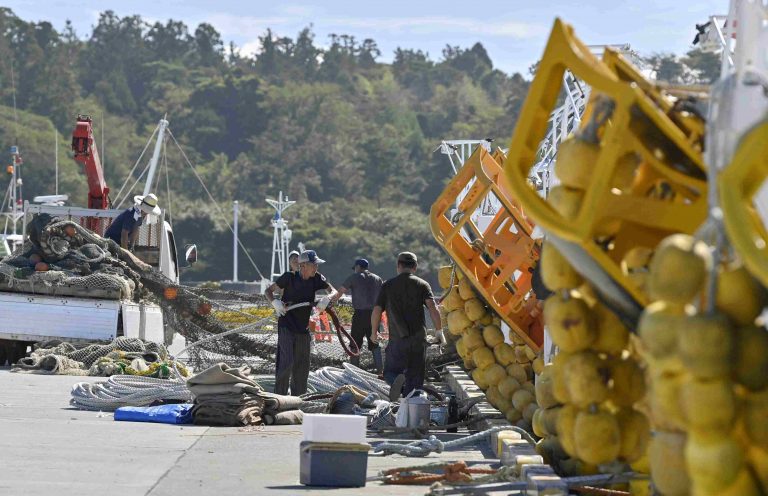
293,338
293,261
125,227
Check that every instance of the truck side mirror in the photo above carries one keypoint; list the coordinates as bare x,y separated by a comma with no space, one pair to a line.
190,255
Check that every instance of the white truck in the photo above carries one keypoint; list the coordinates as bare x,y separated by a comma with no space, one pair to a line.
32,313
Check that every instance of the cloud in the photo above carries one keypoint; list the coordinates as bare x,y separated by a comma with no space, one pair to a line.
245,27
435,24
250,48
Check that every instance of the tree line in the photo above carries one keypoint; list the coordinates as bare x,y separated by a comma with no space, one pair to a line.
349,137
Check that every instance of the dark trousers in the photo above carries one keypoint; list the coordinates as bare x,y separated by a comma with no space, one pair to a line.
292,362
361,329
406,356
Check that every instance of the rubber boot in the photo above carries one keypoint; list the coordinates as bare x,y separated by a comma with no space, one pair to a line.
378,360
396,389
355,360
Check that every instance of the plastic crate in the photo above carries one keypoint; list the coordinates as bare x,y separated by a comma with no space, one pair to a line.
333,464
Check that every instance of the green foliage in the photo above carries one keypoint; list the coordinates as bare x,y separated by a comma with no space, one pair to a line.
697,67
351,138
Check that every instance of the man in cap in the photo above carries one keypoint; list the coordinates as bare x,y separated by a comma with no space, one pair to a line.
364,286
293,338
403,298
125,227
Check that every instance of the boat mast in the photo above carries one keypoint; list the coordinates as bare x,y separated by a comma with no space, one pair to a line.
161,126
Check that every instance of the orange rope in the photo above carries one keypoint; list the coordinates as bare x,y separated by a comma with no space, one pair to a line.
453,472
352,349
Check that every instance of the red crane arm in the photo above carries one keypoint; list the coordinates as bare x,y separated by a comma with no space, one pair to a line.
87,153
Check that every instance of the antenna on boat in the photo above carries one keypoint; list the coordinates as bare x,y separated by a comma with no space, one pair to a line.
282,235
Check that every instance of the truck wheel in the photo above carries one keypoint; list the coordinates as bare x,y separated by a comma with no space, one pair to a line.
19,351
3,351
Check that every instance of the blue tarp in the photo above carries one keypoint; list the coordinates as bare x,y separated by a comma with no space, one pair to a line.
180,413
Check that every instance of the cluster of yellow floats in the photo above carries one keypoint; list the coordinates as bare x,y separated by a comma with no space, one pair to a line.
662,357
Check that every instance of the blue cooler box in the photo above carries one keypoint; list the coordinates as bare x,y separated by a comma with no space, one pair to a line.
333,464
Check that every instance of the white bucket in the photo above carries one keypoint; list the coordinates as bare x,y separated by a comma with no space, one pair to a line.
414,410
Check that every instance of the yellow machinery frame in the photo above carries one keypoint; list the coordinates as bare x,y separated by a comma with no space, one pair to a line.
644,121
737,185
497,259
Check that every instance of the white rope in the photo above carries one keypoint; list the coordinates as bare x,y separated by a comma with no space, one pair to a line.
130,190
215,203
329,379
128,177
131,390
127,390
424,447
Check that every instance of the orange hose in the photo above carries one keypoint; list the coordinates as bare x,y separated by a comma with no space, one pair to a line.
352,349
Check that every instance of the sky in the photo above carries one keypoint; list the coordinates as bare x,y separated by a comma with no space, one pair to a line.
513,32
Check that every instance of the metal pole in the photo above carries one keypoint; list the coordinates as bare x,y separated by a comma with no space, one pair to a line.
283,254
234,245
56,151
13,191
274,249
155,156
102,149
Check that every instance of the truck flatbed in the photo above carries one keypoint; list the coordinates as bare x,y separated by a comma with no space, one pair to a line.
37,288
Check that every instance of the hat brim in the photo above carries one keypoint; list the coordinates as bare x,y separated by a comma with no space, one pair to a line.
315,261
139,201
150,210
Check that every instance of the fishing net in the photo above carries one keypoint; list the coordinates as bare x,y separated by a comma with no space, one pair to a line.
78,258
72,257
198,313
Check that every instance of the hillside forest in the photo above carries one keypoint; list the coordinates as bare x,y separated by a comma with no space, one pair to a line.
352,139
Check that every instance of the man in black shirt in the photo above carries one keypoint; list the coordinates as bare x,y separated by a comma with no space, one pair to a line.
293,338
403,298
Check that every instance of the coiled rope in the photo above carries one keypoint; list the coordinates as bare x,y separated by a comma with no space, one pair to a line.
129,390
329,379
124,390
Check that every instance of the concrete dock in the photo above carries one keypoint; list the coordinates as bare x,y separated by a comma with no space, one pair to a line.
48,448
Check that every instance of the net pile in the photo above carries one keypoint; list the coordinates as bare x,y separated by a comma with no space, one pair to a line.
130,356
72,256
79,258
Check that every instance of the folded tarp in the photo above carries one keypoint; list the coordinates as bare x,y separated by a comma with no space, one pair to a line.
178,413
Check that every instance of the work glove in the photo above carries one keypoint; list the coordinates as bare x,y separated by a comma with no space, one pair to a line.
279,307
323,303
